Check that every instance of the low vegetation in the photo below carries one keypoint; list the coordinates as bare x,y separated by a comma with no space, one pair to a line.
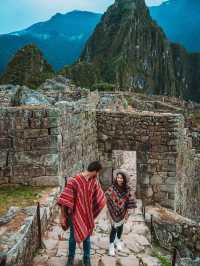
164,260
18,196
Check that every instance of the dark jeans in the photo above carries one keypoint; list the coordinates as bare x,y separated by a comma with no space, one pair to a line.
116,231
72,244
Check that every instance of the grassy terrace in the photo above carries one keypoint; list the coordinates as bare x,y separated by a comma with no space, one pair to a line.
21,196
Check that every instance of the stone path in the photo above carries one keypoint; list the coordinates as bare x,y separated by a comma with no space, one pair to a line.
136,239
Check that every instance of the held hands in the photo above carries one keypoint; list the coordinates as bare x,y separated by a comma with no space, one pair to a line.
63,218
63,222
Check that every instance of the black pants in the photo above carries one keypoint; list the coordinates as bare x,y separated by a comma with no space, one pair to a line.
116,231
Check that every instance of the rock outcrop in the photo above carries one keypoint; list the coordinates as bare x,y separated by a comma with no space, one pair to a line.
130,50
11,95
28,67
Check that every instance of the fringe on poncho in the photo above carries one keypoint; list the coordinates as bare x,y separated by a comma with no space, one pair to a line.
86,199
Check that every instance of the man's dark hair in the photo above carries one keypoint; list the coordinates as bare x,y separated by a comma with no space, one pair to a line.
94,166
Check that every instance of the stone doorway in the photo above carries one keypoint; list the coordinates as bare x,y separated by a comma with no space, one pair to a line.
121,160
125,161
155,138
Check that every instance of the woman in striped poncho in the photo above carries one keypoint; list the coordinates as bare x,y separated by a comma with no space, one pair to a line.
119,201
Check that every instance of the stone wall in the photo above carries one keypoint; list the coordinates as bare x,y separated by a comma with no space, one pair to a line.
117,159
78,137
26,239
39,145
195,134
173,230
188,179
29,148
154,137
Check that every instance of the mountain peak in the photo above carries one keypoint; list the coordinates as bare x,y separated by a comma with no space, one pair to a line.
57,15
61,38
27,67
131,51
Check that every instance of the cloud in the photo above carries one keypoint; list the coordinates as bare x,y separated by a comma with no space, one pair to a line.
154,2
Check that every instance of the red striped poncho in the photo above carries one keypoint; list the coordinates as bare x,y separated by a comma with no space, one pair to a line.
86,199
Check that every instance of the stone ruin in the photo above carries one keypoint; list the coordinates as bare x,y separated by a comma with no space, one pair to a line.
56,131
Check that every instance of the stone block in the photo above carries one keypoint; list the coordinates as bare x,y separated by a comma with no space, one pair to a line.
51,171
156,179
167,188
18,170
171,196
3,159
171,180
21,144
57,261
21,180
45,181
145,180
53,112
38,113
160,196
35,123
55,131
35,133
3,180
53,122
36,171
168,203
36,158
7,171
131,260
107,260
5,143
172,142
46,142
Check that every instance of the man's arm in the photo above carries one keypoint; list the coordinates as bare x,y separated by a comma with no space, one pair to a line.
63,218
99,200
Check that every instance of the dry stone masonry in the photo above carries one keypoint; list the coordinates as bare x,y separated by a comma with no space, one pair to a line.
40,144
154,138
43,139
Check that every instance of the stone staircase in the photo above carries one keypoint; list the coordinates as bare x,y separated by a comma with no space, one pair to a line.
136,238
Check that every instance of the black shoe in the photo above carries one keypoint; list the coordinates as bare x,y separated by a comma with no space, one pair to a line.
70,261
86,261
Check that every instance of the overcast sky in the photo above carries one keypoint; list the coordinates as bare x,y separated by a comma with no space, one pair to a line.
19,14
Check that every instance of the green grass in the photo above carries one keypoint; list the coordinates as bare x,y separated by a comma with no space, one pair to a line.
22,196
164,261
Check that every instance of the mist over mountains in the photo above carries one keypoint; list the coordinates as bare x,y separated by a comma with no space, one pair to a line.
180,21
61,39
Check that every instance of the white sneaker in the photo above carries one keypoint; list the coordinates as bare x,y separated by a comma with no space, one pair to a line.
119,244
111,249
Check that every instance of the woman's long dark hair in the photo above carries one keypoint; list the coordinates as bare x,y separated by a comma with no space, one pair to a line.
125,186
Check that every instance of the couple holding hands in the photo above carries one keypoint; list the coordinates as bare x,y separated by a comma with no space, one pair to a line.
81,202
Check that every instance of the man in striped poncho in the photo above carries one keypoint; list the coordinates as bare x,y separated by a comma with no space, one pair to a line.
81,202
